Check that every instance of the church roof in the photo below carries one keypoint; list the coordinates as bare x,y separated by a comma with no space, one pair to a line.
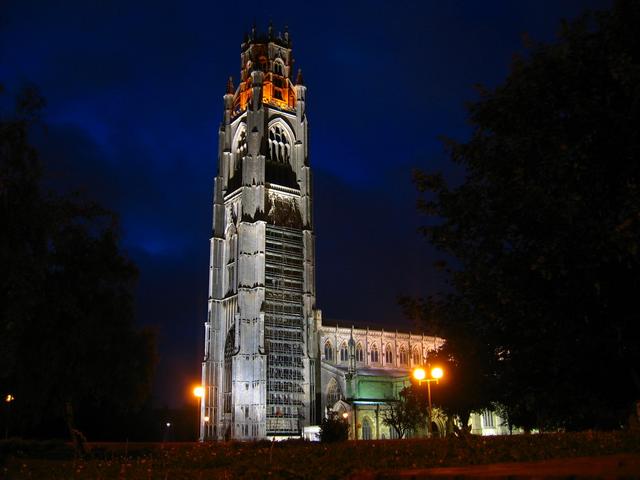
363,325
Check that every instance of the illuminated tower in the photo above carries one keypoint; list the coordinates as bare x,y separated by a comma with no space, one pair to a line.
259,369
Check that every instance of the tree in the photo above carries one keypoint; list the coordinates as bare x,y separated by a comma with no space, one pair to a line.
334,429
67,338
406,413
468,382
545,227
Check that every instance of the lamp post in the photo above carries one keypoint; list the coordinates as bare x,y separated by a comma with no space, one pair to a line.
420,374
198,392
8,400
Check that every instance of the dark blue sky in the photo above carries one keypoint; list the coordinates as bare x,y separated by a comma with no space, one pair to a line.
134,93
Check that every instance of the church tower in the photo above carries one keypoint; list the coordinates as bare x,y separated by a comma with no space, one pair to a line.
259,368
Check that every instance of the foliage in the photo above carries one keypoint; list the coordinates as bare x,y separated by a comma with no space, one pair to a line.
334,429
67,339
545,228
302,460
407,413
466,386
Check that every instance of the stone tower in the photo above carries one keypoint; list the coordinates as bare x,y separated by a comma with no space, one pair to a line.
259,368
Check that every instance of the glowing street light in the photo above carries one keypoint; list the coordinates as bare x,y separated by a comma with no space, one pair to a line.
420,374
8,399
198,392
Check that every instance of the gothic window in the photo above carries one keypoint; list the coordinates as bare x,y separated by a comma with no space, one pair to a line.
328,352
367,430
278,68
487,419
375,357
333,393
241,147
416,357
279,144
229,350
359,353
344,353
388,355
231,264
404,357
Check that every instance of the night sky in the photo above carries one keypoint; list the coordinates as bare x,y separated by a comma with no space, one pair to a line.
134,93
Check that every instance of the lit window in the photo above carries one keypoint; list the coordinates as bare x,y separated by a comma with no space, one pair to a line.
241,147
278,68
279,144
416,357
487,419
328,351
367,429
333,393
388,355
375,358
404,357
344,353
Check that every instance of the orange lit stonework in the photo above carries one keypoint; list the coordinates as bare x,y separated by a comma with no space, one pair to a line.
277,92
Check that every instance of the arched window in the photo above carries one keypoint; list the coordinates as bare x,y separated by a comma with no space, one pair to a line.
388,355
333,393
359,353
241,147
375,357
229,351
417,360
239,151
404,357
279,144
278,68
367,430
328,352
344,353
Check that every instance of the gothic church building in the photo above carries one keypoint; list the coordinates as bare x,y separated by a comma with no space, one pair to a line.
271,368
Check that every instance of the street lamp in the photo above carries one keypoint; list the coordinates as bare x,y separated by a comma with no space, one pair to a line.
420,374
198,392
8,399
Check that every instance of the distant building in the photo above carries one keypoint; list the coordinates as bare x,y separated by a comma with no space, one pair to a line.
271,368
361,370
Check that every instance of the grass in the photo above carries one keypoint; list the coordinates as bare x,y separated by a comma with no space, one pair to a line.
295,459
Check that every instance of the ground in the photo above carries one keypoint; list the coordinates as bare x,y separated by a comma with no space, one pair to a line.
587,452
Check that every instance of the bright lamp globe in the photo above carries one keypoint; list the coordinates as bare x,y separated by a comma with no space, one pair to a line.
437,372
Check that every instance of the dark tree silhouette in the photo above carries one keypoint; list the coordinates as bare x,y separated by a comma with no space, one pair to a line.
545,229
67,339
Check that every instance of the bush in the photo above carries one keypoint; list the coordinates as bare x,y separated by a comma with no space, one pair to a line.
334,429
